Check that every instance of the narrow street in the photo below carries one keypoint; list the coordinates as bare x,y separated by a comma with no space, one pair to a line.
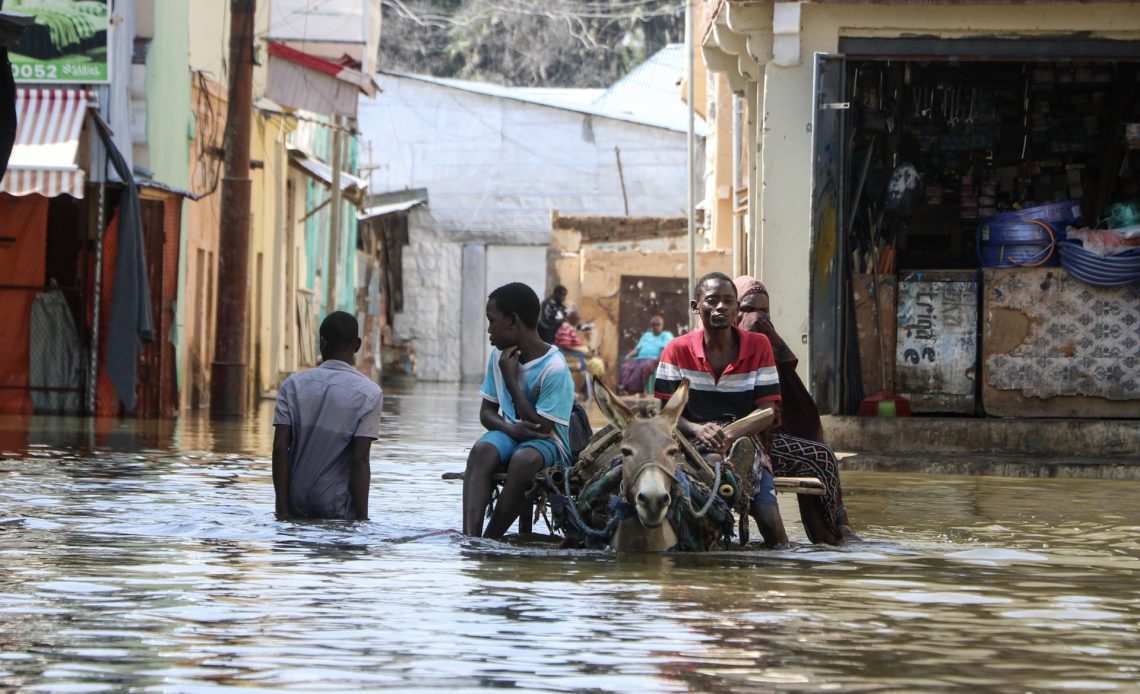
141,556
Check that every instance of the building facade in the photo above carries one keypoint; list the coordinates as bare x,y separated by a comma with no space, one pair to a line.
1000,107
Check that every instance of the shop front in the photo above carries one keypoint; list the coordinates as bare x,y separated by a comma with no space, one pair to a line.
42,257
85,268
968,183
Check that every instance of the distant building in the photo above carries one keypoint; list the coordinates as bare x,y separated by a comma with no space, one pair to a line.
496,162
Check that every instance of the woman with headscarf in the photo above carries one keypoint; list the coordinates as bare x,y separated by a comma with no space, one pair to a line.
796,443
641,361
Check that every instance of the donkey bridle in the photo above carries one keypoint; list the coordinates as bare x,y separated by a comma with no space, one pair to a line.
642,466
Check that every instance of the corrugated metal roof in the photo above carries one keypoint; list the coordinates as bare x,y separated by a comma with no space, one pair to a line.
323,172
649,95
651,92
391,208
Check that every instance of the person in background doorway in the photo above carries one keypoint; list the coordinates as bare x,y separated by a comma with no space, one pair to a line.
324,424
552,314
796,441
528,397
578,352
641,361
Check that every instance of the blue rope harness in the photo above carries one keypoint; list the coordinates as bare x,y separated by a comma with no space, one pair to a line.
617,508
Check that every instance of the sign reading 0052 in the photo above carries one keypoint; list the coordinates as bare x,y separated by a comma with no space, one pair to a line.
66,44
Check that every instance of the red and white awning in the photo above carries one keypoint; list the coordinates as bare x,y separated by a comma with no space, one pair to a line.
43,161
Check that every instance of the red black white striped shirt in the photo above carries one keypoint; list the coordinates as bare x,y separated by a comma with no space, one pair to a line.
747,383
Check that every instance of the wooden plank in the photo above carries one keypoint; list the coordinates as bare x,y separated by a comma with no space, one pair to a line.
602,440
809,486
797,485
752,423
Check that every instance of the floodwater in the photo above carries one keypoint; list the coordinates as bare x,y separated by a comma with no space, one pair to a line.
136,557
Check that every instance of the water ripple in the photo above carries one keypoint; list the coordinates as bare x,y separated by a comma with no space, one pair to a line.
146,557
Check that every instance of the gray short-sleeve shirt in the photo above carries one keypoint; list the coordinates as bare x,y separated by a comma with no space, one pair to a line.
327,407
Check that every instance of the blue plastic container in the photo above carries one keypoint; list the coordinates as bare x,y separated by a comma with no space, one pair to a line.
1011,242
1056,215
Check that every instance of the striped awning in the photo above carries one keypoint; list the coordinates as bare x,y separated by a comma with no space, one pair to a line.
43,162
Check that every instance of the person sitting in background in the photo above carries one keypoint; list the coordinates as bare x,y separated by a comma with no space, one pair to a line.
551,314
579,355
795,442
641,361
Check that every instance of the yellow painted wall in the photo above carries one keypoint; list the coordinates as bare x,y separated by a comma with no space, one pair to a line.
209,25
210,39
718,170
267,314
199,290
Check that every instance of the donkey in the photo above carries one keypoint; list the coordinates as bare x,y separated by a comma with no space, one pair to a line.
650,456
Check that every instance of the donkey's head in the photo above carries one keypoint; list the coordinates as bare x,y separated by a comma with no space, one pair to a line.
649,452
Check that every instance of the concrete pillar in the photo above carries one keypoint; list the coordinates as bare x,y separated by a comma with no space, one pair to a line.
785,191
718,176
754,229
472,308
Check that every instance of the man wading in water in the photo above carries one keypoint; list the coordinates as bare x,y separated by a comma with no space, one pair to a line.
324,425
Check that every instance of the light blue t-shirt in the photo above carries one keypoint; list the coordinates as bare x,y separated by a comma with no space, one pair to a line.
651,346
548,386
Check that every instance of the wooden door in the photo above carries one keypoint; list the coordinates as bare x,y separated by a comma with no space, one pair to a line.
148,388
644,297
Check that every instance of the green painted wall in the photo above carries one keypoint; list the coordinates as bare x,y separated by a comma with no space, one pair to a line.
169,125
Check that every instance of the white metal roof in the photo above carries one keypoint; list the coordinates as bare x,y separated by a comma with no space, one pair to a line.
323,172
651,92
649,95
391,208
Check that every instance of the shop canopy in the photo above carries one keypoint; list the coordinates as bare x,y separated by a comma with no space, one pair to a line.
353,187
392,203
43,161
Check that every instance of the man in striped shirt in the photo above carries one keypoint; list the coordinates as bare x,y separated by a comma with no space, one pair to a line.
731,374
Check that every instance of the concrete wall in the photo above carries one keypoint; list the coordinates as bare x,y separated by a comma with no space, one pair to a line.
782,217
433,268
496,167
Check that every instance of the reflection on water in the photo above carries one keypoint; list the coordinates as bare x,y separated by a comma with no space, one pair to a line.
142,556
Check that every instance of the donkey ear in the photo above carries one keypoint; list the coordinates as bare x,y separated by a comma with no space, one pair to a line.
611,405
676,405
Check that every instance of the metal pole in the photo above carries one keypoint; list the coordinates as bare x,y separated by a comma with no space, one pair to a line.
690,184
229,382
738,247
97,299
621,179
334,216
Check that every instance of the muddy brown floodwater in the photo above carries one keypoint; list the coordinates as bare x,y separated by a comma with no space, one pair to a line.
143,557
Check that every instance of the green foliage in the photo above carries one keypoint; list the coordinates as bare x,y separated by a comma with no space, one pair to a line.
69,22
552,43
